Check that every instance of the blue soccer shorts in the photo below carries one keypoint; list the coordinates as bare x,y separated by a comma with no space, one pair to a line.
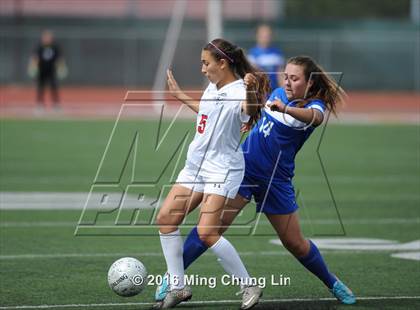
275,198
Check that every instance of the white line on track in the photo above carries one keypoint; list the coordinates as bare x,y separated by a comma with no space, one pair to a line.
158,254
205,302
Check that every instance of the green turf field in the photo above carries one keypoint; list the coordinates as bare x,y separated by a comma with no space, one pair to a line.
373,171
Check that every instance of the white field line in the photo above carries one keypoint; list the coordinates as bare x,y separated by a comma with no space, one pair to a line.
407,255
207,302
377,221
57,200
77,200
279,252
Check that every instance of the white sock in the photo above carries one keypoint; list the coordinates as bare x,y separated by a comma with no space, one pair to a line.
172,246
230,260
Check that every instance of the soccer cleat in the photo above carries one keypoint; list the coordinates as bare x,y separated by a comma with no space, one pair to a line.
343,293
250,296
163,288
174,297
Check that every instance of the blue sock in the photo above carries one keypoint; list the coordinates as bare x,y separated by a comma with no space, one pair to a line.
315,264
193,247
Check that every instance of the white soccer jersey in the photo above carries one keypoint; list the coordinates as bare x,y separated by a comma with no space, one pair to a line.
215,148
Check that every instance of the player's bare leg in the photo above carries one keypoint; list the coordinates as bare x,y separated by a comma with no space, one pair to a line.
208,231
231,211
210,218
289,232
179,202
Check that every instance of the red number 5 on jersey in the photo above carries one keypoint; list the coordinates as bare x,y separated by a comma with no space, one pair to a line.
202,124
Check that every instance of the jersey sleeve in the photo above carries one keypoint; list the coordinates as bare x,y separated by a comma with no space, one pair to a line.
316,104
271,98
275,95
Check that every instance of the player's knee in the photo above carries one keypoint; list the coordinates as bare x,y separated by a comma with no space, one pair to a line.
208,236
222,230
296,246
166,223
163,218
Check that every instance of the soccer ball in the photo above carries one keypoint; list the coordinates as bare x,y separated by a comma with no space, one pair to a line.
127,277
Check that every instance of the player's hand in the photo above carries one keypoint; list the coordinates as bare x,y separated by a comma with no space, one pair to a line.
172,84
250,81
62,71
32,70
245,127
277,105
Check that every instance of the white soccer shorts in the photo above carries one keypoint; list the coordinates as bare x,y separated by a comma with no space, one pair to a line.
224,183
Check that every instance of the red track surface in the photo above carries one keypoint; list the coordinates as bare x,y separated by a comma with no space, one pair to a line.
19,101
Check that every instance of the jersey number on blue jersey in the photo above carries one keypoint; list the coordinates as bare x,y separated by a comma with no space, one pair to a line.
266,127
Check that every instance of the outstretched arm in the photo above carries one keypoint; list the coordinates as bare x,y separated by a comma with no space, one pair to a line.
308,116
176,91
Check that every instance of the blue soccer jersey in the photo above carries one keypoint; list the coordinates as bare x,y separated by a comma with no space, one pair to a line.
271,147
270,60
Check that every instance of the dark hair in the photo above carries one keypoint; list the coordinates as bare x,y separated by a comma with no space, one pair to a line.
240,66
323,87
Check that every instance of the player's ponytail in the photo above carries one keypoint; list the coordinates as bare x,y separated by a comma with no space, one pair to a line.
323,87
240,66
